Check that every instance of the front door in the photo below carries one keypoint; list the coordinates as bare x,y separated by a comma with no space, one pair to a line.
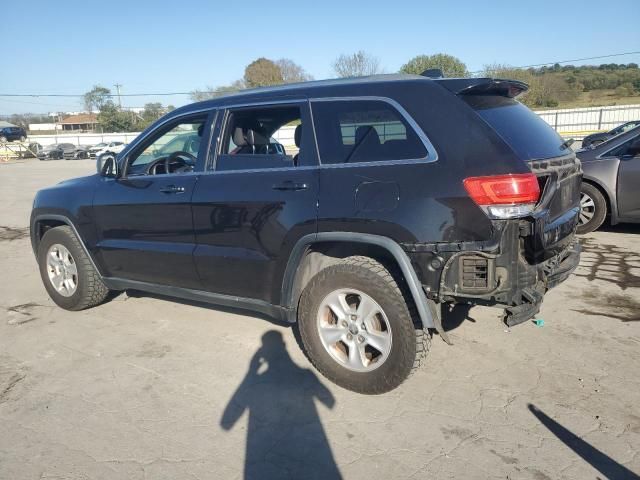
144,221
629,180
257,199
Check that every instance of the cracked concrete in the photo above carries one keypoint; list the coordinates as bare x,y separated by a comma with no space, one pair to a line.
150,388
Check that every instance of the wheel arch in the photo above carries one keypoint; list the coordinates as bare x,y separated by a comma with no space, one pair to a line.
609,197
43,222
309,256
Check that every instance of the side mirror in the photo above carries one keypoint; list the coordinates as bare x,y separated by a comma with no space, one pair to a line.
106,165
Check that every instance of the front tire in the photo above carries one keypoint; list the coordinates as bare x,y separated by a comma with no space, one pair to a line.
67,272
358,328
593,209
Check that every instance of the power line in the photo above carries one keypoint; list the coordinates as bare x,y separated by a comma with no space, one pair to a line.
167,94
569,61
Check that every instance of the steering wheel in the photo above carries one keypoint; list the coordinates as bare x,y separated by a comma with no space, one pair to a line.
180,160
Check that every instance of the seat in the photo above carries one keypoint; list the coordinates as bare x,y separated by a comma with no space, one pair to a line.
297,137
367,145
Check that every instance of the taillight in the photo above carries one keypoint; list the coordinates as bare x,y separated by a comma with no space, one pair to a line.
504,196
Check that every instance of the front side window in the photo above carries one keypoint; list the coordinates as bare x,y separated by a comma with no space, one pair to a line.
364,131
262,137
171,151
630,148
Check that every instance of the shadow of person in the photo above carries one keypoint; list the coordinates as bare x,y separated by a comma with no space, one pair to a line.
597,459
285,438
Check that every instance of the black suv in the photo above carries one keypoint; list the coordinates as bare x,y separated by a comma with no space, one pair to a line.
9,134
403,193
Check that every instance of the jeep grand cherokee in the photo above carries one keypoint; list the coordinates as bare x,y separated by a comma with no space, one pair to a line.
403,194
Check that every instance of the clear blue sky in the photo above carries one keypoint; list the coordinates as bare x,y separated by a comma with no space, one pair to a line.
67,46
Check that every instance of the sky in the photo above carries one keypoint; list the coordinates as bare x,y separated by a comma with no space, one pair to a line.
67,46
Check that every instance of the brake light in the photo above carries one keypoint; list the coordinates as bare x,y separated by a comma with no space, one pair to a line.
504,196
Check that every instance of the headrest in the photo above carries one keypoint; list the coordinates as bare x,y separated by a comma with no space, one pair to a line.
297,135
200,130
255,138
368,134
238,137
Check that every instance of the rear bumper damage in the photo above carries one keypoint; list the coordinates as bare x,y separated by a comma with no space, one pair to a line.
505,272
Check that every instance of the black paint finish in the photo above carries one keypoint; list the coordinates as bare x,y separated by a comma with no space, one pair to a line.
231,234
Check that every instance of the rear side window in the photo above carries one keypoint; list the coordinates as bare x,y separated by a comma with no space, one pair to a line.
255,137
364,131
526,133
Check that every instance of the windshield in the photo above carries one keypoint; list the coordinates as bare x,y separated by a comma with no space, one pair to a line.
526,133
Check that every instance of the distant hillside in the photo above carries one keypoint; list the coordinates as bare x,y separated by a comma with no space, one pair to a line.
568,86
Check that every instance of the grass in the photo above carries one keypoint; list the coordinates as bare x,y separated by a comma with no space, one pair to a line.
597,98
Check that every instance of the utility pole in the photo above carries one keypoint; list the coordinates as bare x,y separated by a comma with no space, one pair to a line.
118,85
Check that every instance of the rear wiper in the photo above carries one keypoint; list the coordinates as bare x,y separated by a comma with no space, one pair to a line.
567,143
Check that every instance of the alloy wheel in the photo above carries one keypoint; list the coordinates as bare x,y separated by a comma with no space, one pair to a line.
354,330
587,209
62,270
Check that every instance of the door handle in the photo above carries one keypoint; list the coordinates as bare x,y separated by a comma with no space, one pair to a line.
289,185
172,189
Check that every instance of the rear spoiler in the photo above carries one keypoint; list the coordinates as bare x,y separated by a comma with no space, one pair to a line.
484,86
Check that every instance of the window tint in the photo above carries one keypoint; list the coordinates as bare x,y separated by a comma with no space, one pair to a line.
364,131
264,137
526,133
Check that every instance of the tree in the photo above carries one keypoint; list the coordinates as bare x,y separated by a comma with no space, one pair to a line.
96,98
152,112
262,72
113,119
357,64
212,92
450,65
292,72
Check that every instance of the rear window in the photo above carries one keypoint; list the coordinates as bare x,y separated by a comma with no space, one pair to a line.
524,131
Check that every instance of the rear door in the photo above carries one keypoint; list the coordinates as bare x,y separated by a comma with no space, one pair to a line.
629,179
143,219
254,203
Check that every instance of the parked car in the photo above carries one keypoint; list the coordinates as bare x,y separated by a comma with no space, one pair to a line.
597,138
53,152
96,148
111,147
75,152
407,194
611,182
10,134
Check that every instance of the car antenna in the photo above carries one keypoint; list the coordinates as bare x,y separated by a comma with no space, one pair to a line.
567,143
433,73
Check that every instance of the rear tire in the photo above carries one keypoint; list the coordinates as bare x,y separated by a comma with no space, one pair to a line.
390,346
593,209
83,289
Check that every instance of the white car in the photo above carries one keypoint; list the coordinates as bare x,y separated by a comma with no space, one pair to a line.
102,148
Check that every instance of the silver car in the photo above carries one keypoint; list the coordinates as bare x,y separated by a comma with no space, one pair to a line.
610,182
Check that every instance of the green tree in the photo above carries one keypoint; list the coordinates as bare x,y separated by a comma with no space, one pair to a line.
450,65
113,119
96,98
357,64
262,72
152,112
